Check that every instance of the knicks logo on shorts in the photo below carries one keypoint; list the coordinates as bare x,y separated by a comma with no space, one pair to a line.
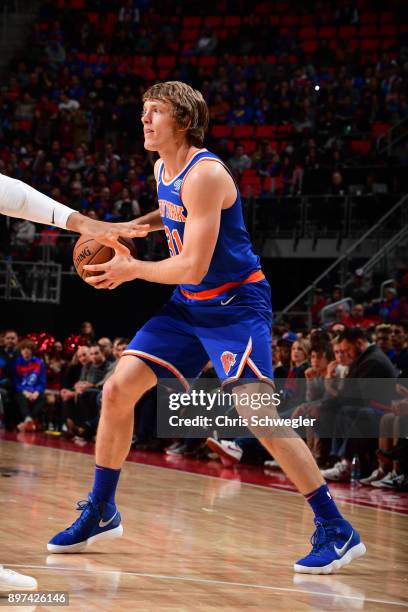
228,359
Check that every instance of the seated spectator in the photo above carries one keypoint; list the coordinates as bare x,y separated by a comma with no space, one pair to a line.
5,390
281,356
399,339
361,413
388,309
87,331
29,382
106,347
73,370
319,302
23,237
359,288
384,341
241,113
337,186
127,207
9,349
240,161
55,367
219,109
82,407
294,393
93,398
357,318
207,42
320,358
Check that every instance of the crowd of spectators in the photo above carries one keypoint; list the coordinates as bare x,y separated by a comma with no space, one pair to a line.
70,107
57,386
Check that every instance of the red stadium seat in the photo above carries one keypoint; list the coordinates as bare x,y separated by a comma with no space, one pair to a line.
264,131
264,8
307,33
367,18
308,20
164,74
289,21
250,186
284,130
309,46
379,129
388,43
24,125
208,61
370,44
250,146
77,4
221,131
189,35
387,17
93,18
249,172
191,21
271,59
347,32
166,61
213,21
368,31
327,32
388,31
361,146
232,21
281,7
243,131
274,20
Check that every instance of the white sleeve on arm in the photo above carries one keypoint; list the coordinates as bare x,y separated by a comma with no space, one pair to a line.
17,199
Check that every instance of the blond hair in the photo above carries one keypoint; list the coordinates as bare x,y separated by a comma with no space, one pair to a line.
189,108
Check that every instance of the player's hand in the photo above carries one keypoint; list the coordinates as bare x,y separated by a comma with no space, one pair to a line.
120,269
107,233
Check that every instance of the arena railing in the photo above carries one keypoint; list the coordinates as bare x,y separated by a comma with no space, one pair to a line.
340,270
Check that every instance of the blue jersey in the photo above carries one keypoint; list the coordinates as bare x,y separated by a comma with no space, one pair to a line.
233,261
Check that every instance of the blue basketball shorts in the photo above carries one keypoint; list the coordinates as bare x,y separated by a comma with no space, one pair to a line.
233,330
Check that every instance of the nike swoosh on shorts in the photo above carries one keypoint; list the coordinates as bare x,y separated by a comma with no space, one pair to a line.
224,303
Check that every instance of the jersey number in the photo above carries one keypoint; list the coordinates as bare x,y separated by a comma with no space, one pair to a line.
174,241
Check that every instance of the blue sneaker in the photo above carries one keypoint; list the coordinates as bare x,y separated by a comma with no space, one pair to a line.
98,521
335,544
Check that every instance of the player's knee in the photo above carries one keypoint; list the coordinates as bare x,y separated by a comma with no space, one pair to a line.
112,393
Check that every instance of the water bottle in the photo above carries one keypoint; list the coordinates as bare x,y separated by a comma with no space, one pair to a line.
355,471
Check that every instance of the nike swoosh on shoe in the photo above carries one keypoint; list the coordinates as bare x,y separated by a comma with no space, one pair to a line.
105,523
342,550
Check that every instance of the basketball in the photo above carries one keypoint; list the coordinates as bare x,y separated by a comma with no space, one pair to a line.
87,251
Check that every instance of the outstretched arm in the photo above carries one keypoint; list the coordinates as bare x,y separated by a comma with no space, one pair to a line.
206,189
17,199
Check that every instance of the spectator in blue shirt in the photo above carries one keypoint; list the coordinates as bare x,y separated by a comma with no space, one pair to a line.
29,380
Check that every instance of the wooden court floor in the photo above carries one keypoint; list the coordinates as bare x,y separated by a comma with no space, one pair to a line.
191,542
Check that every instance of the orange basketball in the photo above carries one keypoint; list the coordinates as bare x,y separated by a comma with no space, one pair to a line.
87,251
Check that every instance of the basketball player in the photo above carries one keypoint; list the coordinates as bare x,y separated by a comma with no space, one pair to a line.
220,310
17,199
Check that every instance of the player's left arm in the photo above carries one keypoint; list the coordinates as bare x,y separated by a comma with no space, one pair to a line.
206,188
